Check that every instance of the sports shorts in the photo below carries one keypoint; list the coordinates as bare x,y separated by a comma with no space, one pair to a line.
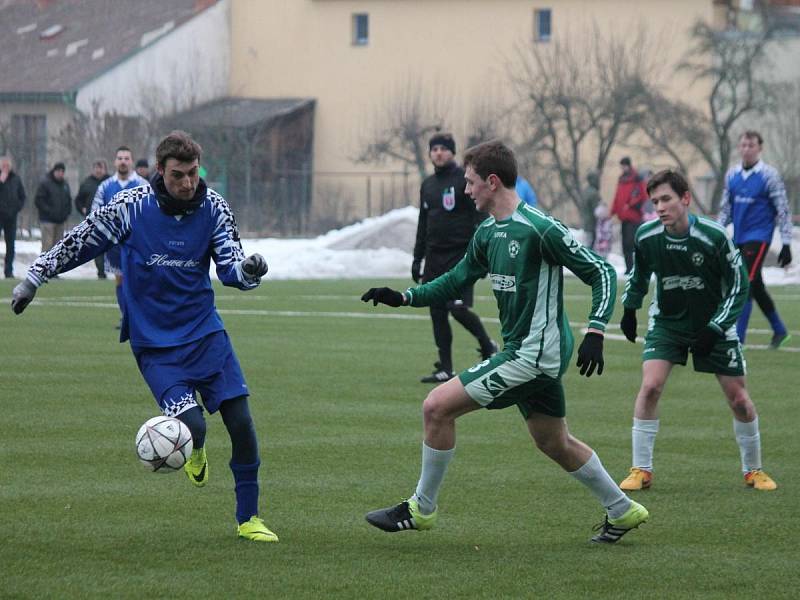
726,357
177,374
505,380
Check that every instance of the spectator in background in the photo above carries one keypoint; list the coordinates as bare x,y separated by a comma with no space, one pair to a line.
603,232
12,199
83,202
628,201
754,199
54,203
591,200
525,191
447,220
143,169
124,178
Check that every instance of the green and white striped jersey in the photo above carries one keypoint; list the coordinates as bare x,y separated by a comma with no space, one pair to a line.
700,278
523,257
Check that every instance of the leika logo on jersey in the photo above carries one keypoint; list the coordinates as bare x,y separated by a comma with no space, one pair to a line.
449,198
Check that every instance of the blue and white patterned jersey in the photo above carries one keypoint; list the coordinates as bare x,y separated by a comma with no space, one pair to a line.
755,201
110,186
169,300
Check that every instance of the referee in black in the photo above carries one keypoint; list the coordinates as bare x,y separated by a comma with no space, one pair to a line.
447,220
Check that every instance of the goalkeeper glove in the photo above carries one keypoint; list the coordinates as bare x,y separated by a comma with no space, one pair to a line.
415,271
785,256
384,295
590,354
705,340
628,324
254,267
22,295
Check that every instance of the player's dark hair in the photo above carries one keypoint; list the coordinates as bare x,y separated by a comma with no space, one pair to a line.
493,157
123,149
672,178
178,145
753,135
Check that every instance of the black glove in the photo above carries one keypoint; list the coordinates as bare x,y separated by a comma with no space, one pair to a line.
415,267
590,354
254,266
384,295
22,295
628,324
785,255
705,340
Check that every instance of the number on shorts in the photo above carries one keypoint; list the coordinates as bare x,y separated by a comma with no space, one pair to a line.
478,367
734,362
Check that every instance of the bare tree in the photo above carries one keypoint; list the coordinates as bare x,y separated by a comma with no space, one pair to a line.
734,65
579,96
97,134
402,123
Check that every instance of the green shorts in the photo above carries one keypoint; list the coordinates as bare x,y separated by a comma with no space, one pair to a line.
726,357
506,380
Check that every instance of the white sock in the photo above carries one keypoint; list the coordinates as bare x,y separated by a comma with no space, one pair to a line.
749,440
434,466
594,476
643,440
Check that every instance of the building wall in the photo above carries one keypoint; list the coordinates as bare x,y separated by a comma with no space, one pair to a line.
188,65
460,49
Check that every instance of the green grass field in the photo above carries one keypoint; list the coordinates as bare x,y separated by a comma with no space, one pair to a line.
337,408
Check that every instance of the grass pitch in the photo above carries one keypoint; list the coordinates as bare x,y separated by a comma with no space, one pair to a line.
337,408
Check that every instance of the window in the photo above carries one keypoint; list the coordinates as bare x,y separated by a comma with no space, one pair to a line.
360,29
542,23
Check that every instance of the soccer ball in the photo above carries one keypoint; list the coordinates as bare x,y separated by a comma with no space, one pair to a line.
163,444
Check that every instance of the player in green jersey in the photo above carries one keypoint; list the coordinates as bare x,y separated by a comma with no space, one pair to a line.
523,252
701,287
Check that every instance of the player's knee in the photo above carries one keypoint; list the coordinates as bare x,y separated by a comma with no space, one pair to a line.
434,408
740,402
651,389
553,446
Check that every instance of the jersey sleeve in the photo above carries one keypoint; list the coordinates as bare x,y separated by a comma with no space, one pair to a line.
447,287
777,195
226,248
724,216
638,279
559,246
103,228
736,289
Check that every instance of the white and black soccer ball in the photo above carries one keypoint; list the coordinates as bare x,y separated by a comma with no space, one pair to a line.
163,444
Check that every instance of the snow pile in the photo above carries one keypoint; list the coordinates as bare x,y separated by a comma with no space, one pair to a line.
377,247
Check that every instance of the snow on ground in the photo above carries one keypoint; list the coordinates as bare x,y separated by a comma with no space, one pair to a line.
377,247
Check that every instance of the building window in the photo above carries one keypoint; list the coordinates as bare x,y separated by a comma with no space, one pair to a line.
542,24
360,29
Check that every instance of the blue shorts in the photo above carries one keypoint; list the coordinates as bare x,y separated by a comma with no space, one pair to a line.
176,374
113,260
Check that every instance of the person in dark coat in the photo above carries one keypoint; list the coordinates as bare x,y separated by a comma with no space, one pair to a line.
12,199
447,220
83,202
54,202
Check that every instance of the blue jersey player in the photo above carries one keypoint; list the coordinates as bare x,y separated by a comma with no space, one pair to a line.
754,199
123,178
168,231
